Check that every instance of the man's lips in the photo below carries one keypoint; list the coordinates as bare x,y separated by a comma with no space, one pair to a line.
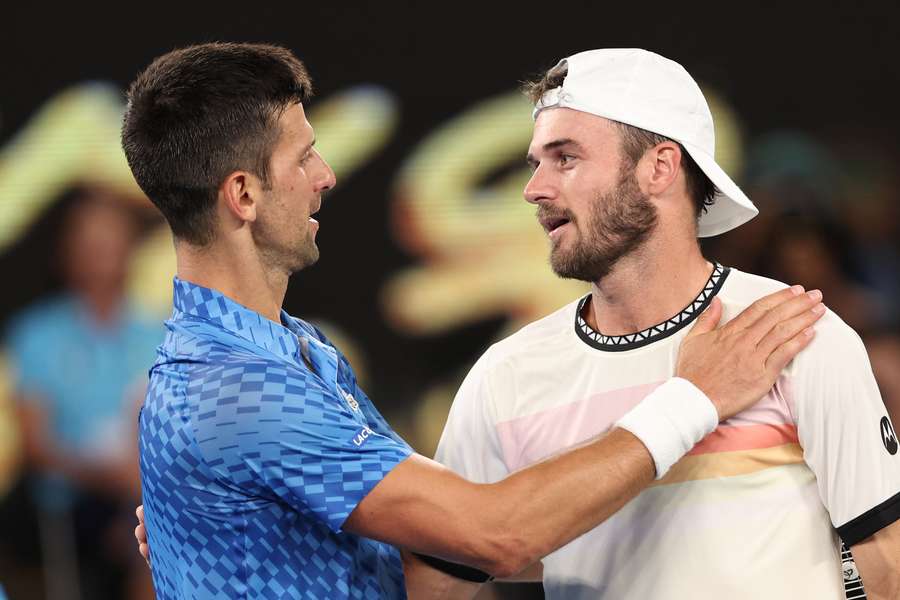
552,223
314,211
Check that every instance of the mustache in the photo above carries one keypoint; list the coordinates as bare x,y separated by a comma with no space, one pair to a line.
545,213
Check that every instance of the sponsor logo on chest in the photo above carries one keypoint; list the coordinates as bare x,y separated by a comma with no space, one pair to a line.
361,436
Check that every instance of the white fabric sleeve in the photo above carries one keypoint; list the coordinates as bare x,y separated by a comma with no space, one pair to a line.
470,445
847,437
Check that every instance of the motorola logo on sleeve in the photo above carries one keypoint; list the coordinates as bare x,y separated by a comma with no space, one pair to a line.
888,436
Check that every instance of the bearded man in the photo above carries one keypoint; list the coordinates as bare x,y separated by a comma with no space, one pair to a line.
625,181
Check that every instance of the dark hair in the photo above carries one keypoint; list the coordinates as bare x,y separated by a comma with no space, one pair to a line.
199,113
636,141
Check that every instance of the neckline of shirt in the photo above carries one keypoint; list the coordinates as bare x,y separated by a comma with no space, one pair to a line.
196,301
654,333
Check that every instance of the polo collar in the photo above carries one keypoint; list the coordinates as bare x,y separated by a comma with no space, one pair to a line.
195,301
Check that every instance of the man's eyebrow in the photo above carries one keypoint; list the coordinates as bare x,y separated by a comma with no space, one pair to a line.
562,142
307,147
531,160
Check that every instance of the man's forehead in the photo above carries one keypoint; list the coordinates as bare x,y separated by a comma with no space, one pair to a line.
294,125
555,124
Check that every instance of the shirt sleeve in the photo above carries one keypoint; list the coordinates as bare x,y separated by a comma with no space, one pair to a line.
27,353
469,444
279,432
846,434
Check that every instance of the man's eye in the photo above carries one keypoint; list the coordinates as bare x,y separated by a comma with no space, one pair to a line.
565,158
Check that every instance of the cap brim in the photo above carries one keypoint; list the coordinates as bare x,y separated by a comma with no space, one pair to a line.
731,207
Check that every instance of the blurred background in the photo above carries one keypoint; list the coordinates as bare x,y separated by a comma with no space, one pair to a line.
429,253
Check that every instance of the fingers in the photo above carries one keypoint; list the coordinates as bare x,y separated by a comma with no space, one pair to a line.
791,326
750,315
140,534
709,319
784,353
776,320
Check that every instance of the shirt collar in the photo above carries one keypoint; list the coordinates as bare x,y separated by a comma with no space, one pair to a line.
618,343
192,300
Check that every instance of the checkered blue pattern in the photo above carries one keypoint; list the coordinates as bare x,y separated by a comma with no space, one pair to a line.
256,444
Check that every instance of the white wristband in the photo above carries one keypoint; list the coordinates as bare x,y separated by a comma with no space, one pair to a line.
670,421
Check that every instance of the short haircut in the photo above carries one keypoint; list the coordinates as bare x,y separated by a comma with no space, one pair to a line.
635,142
199,113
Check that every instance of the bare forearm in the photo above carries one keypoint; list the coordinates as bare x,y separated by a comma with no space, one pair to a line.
504,527
543,507
878,561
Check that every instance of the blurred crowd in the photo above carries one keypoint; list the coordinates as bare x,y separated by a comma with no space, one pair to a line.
829,219
78,361
78,358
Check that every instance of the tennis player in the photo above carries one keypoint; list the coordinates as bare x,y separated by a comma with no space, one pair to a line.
266,471
624,181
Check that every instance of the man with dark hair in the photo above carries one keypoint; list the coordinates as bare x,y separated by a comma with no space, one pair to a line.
181,146
624,181
266,470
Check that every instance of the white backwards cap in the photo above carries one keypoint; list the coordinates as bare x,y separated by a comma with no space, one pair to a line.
646,90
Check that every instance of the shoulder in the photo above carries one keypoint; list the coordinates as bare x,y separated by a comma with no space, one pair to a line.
743,289
247,376
44,313
41,323
836,351
246,401
537,338
215,364
832,333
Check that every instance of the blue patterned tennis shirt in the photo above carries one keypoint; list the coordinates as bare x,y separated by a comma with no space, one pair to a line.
256,444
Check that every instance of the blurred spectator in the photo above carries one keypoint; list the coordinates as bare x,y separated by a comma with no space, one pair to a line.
80,360
816,253
786,173
872,214
884,353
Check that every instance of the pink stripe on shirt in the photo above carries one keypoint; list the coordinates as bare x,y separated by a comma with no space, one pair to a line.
528,439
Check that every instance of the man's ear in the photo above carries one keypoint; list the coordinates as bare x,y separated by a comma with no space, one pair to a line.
240,193
663,162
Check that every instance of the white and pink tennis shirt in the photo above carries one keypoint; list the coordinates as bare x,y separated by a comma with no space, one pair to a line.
754,511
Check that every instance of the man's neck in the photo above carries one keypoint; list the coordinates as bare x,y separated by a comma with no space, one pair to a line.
237,273
648,286
103,303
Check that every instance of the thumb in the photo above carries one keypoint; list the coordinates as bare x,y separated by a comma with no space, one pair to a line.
709,319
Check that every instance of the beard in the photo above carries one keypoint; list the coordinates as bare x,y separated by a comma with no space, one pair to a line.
283,243
619,222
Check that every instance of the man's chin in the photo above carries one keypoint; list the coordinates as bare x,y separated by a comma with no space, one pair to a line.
563,267
570,267
305,261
